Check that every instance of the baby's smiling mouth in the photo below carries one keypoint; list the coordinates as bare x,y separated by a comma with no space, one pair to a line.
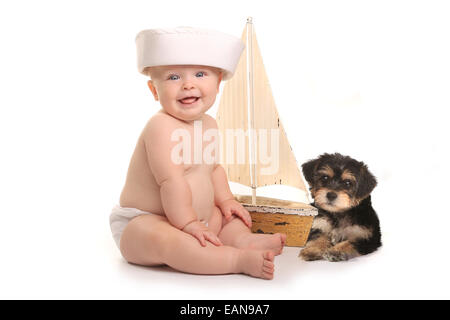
188,100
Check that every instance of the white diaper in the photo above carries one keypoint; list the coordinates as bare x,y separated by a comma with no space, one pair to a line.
119,218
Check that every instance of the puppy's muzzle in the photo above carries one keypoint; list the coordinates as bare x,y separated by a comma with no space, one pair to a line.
331,196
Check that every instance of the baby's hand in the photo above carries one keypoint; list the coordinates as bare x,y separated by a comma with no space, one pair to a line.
202,233
231,206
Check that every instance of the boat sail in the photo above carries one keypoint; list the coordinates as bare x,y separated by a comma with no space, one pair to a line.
247,106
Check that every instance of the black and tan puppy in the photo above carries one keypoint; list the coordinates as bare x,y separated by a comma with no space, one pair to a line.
346,225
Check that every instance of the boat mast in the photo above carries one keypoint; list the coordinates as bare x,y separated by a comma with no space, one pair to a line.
251,106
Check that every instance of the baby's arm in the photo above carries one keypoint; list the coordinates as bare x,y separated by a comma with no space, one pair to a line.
176,196
224,199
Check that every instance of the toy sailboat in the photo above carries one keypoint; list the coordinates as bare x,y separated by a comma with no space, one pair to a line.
247,105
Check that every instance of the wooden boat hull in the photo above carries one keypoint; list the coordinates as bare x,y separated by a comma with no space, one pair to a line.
279,216
295,227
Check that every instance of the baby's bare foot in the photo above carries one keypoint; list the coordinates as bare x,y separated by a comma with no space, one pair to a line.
256,263
274,242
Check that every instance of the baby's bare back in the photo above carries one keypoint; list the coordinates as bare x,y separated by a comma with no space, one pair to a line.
142,190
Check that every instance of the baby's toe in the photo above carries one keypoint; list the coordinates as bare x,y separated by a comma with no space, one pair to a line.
268,264
283,238
268,270
269,256
267,275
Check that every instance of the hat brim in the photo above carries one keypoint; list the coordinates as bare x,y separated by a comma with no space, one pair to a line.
208,48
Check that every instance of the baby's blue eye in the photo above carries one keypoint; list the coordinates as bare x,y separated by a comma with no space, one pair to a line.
174,77
200,74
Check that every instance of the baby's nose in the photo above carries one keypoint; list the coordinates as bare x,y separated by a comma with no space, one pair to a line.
188,85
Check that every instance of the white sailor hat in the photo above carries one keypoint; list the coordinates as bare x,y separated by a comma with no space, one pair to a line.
188,46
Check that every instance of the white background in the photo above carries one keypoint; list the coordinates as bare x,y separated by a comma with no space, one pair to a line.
365,78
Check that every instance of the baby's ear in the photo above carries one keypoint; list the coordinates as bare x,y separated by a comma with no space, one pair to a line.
220,80
152,89
366,182
308,170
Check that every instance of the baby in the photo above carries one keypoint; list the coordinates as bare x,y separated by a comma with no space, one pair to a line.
183,214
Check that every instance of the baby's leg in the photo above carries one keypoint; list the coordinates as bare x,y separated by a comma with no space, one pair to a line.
236,234
151,240
215,221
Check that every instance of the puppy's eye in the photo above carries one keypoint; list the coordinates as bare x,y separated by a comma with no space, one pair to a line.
324,178
347,183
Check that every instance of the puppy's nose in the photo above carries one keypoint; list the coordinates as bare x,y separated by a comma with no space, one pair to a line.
331,196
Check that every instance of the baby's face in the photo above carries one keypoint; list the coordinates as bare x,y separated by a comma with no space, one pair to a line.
185,92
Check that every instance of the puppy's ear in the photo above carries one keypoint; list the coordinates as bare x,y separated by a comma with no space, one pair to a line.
308,169
366,182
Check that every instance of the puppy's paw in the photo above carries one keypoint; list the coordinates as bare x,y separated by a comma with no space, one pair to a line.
311,254
335,255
